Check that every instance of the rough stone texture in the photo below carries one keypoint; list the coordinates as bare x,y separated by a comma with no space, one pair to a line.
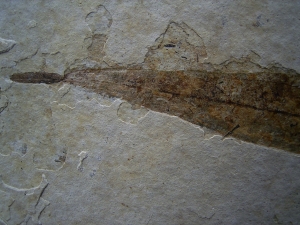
178,48
70,155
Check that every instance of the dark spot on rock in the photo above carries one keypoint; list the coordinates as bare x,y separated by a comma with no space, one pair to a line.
293,124
24,149
170,45
61,159
123,204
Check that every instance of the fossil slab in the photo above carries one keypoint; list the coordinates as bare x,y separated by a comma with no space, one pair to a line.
263,107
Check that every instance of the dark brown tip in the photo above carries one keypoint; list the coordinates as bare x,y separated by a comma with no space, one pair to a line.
36,77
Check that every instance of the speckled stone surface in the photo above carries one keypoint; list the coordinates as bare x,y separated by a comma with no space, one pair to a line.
72,155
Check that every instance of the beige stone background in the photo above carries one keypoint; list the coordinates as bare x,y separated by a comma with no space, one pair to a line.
70,156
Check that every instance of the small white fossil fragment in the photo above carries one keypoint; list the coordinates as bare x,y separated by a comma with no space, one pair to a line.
82,156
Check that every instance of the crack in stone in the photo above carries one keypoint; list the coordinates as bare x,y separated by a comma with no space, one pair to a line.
29,200
3,103
231,131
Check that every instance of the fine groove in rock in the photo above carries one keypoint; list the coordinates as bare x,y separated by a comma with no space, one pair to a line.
265,105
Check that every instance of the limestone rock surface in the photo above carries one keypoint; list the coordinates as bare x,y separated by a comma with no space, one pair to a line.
69,155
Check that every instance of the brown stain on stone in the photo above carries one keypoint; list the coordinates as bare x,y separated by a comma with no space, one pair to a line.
263,107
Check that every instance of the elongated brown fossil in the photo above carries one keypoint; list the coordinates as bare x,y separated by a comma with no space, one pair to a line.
265,105
36,77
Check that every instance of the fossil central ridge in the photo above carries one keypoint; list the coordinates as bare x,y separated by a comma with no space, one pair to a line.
262,107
